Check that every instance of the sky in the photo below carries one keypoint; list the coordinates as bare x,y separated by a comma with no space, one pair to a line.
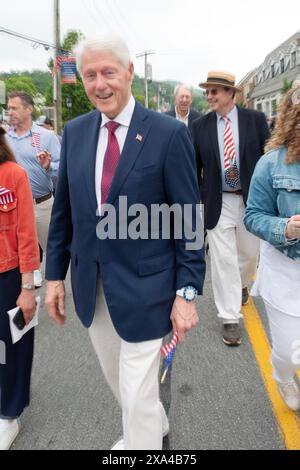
189,37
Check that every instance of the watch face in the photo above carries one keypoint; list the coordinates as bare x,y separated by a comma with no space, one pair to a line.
189,293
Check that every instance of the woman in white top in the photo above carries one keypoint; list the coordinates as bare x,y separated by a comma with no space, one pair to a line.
273,214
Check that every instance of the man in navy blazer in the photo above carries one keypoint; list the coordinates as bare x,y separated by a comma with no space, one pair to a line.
228,141
129,289
183,111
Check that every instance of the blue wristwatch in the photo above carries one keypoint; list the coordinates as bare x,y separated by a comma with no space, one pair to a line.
189,293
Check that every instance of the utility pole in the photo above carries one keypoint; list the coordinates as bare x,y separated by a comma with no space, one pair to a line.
57,74
145,55
158,97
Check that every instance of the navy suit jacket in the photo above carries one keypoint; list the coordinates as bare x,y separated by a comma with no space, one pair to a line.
139,277
192,117
253,133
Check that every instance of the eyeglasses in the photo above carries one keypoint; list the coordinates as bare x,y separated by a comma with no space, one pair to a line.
212,91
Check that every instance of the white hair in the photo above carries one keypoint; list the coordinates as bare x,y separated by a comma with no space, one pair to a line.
184,86
109,44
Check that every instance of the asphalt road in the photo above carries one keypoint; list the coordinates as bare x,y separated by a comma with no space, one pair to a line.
214,395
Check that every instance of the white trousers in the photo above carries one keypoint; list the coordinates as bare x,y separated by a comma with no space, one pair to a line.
42,218
131,370
234,254
285,334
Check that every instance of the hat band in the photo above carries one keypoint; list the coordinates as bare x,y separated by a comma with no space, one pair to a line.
220,80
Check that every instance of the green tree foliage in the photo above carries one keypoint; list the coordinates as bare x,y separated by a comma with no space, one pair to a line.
20,83
199,101
40,79
286,86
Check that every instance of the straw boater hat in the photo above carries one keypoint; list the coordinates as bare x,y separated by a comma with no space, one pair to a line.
219,78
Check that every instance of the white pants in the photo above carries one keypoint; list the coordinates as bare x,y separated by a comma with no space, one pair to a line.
42,218
131,370
234,254
285,333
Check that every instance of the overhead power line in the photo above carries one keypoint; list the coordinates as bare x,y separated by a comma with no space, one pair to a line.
35,42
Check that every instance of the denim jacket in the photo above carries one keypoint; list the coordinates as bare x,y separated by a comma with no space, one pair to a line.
274,197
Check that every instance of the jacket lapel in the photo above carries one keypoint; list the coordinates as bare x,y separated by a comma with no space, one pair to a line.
91,145
243,119
213,134
136,137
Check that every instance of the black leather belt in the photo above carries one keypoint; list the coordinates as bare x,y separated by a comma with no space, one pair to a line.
238,192
38,200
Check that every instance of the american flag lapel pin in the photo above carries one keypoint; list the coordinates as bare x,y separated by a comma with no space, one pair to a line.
139,137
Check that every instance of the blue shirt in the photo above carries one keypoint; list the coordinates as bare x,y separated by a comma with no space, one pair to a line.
26,156
234,124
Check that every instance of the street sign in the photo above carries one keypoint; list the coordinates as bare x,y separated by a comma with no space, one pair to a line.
2,92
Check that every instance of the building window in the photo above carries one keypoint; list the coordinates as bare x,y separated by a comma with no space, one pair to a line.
293,59
274,107
259,107
272,71
281,65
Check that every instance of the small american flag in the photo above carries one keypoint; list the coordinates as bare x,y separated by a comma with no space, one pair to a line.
139,137
58,61
56,65
168,351
6,196
35,140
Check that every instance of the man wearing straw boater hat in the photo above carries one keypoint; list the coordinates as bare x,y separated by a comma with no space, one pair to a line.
228,142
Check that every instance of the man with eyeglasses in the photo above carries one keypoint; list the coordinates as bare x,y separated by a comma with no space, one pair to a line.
228,142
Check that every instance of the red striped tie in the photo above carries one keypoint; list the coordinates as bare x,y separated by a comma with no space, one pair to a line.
111,160
231,169
229,149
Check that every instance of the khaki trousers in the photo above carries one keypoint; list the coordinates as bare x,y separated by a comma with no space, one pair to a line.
42,217
234,256
131,370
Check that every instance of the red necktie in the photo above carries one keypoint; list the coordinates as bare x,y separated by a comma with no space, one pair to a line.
229,149
111,159
230,166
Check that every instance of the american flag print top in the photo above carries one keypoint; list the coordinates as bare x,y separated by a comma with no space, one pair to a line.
6,196
35,140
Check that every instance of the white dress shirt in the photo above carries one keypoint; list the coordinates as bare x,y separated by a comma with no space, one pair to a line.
124,119
184,119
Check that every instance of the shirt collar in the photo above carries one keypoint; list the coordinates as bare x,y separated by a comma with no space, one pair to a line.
232,115
180,117
34,128
125,115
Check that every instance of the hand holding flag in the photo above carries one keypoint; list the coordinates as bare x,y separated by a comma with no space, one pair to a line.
168,351
44,159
